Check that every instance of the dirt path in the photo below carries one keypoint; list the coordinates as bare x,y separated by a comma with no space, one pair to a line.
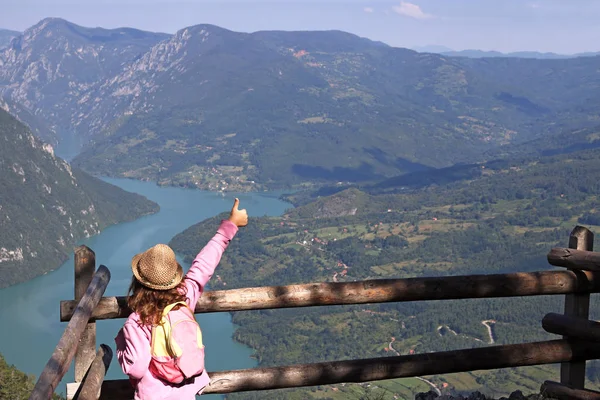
487,323
439,328
438,391
392,348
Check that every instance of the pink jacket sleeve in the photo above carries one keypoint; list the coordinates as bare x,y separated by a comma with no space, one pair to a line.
207,260
133,349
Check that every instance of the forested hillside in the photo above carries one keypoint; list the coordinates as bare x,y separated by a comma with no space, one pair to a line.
293,107
503,219
223,110
16,385
46,207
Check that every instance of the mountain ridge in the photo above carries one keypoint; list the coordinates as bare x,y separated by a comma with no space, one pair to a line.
6,35
216,109
357,72
48,68
517,54
475,53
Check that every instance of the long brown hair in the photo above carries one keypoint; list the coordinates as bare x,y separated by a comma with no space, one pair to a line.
150,303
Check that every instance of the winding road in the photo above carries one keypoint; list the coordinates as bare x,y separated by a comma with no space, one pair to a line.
487,323
438,391
439,328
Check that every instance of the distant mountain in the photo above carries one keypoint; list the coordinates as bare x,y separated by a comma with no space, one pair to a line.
223,110
516,54
432,49
46,207
287,107
49,68
6,36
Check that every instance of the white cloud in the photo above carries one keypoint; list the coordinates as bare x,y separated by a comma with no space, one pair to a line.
368,10
411,10
534,5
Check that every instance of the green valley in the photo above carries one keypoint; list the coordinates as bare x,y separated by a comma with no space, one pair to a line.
478,224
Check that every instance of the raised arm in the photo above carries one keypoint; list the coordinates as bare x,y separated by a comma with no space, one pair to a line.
208,258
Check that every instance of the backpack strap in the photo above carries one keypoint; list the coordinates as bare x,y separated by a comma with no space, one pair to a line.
165,319
165,314
168,308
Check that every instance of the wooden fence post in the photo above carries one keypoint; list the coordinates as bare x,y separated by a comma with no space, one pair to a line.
91,386
64,352
577,305
85,266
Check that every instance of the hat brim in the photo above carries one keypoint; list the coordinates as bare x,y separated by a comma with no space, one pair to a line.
176,279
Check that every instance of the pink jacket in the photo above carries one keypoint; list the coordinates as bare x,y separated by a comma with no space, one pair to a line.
133,340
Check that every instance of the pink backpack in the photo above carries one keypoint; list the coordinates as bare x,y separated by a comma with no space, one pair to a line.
176,345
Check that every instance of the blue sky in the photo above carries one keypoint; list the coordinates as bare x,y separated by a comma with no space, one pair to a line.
563,26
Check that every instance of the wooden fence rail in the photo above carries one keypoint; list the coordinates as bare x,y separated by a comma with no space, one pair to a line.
558,391
579,343
64,352
373,369
372,291
572,327
574,259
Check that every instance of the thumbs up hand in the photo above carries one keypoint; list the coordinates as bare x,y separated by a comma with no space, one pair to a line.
238,217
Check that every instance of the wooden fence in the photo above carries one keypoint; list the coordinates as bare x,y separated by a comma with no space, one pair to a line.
580,342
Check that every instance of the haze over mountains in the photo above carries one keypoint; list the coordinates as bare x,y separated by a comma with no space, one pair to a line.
208,107
473,53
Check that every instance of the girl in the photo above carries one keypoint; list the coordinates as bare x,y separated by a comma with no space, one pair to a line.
157,282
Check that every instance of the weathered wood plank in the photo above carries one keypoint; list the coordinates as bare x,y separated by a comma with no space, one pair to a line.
85,266
326,373
372,291
572,327
577,305
574,259
64,352
559,391
92,382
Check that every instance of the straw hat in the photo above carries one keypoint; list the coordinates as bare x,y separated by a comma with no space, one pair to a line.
157,268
